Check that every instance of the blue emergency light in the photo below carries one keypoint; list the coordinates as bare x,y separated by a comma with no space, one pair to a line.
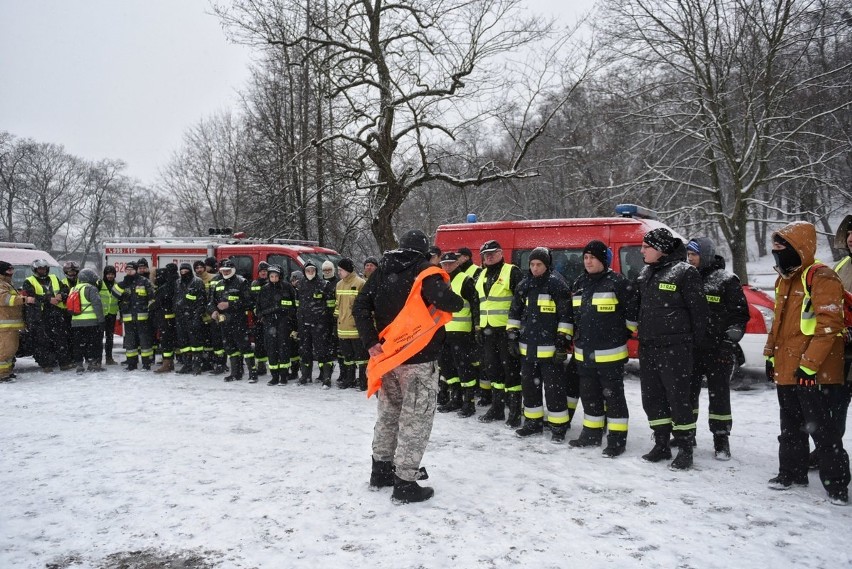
471,218
633,210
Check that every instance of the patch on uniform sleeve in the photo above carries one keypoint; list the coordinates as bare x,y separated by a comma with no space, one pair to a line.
668,286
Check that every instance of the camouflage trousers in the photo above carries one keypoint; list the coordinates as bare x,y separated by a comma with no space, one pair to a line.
406,411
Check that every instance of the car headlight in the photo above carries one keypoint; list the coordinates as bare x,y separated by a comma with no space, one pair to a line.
768,316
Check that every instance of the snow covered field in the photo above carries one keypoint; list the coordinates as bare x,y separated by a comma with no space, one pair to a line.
142,470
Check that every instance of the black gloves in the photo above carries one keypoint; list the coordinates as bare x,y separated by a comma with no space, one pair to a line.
514,345
805,378
127,282
734,333
770,370
563,344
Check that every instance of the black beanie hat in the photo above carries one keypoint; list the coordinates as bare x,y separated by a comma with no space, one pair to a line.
109,270
598,250
346,264
662,240
415,240
143,262
186,266
197,264
4,266
371,260
541,254
210,262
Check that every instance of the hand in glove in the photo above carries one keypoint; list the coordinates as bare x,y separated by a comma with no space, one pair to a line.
514,345
770,370
477,335
563,344
805,378
734,334
294,334
127,282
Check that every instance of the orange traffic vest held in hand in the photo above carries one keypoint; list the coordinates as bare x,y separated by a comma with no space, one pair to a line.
409,333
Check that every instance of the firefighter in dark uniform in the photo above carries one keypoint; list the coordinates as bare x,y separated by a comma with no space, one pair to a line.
605,314
190,306
228,304
672,321
134,295
110,306
716,357
276,309
46,319
316,319
539,331
458,352
162,310
143,270
216,347
260,357
296,278
499,378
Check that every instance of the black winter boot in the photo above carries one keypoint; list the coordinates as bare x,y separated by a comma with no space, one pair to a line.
721,447
252,370
261,368
484,397
557,433
219,368
294,369
497,411
186,368
347,377
206,361
455,401
146,363
362,377
661,450
307,373
513,402
405,492
274,380
132,363
236,373
382,474
683,460
531,427
443,393
616,442
468,407
325,375
588,438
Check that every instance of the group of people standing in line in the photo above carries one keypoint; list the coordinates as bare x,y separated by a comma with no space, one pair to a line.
530,344
515,334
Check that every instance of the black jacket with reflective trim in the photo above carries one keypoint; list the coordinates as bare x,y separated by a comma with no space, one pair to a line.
672,307
726,301
541,306
603,325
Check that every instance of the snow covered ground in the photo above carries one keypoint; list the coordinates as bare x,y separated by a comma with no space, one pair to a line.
140,470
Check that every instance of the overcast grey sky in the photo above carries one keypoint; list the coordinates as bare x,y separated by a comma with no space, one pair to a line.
123,79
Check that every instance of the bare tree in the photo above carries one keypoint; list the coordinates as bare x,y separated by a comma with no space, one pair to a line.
408,80
720,95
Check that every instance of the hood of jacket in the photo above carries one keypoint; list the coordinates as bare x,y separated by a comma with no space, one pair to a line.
708,252
88,276
840,236
400,260
802,237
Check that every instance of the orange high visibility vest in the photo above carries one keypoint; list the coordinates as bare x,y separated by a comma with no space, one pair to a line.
410,332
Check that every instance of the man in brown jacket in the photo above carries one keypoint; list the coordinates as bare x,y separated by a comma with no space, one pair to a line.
11,320
804,356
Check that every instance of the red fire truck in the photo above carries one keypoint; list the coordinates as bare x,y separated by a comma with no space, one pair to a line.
245,252
566,238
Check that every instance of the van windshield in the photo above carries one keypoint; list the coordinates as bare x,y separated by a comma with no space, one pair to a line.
319,258
23,271
631,260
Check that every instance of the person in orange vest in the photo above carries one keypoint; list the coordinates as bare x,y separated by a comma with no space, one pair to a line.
389,302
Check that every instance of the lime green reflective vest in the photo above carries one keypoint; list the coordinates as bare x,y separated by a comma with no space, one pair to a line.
494,308
87,311
462,320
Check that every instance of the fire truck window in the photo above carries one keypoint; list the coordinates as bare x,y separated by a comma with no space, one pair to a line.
245,266
631,261
287,264
566,262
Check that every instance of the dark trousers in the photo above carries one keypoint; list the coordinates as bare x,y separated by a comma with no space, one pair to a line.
572,385
109,333
235,339
86,341
168,337
190,331
553,381
500,371
602,393
259,334
315,343
805,411
717,364
50,338
457,357
276,335
665,374
353,351
137,340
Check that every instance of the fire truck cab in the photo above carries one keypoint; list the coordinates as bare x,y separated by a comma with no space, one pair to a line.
246,253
